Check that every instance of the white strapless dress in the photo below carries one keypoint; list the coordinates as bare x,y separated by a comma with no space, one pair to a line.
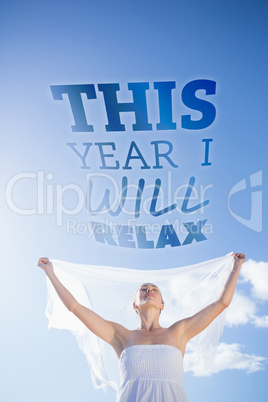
151,373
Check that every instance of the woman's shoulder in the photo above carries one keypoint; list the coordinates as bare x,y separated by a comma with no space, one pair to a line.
177,326
121,335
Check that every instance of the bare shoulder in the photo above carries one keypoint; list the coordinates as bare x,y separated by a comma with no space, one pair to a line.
121,334
177,333
120,330
178,327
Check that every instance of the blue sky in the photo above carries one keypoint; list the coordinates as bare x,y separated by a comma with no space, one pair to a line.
88,42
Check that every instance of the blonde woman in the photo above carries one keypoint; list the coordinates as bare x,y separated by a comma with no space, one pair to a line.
150,357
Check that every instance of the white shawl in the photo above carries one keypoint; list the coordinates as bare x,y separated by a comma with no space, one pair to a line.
109,291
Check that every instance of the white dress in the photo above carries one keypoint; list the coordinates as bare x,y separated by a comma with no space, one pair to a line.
151,373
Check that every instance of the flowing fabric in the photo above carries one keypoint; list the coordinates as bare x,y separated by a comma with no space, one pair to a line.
109,291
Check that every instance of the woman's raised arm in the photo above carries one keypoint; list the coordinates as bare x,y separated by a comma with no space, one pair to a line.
66,297
109,331
191,326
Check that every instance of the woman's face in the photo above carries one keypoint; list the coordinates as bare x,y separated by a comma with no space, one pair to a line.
148,293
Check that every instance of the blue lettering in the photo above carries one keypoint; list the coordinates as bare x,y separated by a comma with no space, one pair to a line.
103,233
167,236
106,199
138,106
206,141
82,157
141,238
165,105
103,155
154,201
163,155
139,156
74,94
125,236
206,108
184,208
194,232
138,198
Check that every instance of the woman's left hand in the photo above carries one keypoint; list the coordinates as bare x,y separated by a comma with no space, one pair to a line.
241,258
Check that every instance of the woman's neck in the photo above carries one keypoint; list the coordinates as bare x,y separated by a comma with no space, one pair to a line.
149,320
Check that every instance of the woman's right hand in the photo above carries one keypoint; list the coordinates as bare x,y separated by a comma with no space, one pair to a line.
45,264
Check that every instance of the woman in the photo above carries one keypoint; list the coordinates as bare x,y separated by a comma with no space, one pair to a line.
150,356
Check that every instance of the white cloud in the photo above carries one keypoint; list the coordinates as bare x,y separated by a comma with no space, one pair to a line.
241,311
261,322
257,274
227,357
